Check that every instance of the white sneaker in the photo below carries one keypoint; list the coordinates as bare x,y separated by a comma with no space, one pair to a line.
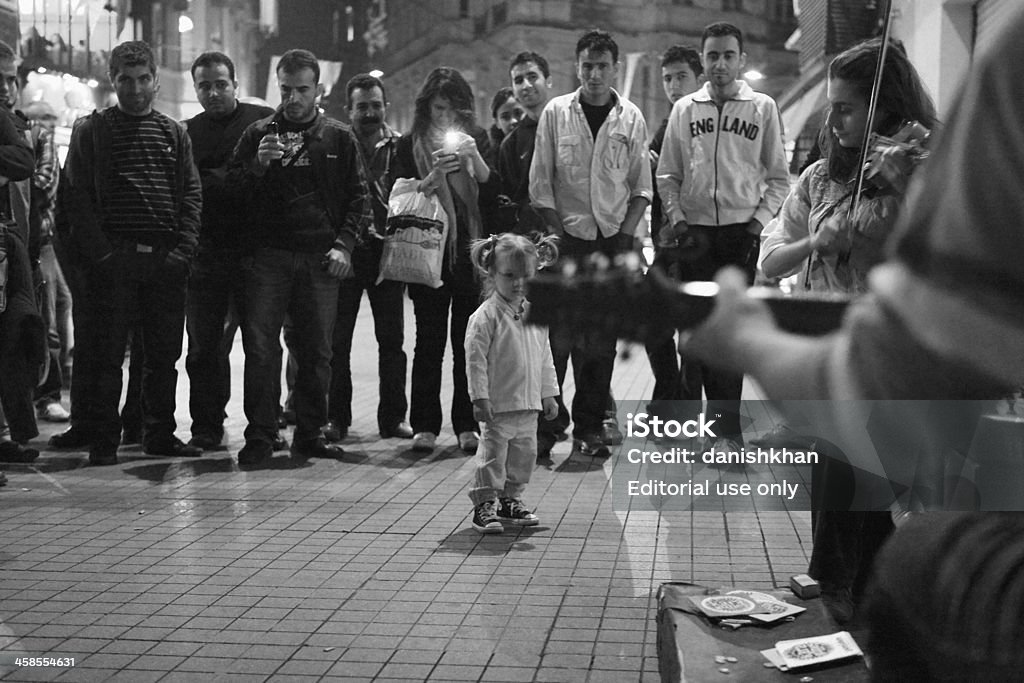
53,412
424,441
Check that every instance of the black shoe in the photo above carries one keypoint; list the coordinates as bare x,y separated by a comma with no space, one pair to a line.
610,434
469,442
131,436
591,444
206,442
255,452
12,451
402,430
335,431
279,443
102,455
317,448
74,438
173,448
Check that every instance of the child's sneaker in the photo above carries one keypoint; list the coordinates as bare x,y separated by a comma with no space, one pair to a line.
485,518
513,509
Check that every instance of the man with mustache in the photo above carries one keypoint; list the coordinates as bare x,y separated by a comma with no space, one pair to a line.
302,174
215,289
367,109
134,204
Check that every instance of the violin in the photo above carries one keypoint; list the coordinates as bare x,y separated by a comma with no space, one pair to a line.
891,159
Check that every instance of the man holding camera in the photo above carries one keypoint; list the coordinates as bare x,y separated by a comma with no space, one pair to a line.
301,170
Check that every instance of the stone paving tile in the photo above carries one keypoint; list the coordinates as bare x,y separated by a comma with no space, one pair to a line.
363,569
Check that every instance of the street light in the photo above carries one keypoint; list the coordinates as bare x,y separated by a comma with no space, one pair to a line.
753,75
377,73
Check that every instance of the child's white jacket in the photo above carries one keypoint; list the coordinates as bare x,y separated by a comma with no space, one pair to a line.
508,361
723,166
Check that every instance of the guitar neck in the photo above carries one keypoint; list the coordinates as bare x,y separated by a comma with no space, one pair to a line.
645,308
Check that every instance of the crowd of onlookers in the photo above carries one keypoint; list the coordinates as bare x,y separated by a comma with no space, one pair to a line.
274,222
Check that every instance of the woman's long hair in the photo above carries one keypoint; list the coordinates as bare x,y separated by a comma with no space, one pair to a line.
901,97
449,84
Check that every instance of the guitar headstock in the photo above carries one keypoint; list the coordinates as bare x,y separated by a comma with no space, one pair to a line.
621,299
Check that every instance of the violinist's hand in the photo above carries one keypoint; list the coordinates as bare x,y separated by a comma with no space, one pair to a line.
832,235
891,167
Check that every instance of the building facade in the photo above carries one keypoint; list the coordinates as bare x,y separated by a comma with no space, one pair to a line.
941,38
479,37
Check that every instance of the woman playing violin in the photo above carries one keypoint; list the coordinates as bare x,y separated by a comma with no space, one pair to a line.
814,235
832,249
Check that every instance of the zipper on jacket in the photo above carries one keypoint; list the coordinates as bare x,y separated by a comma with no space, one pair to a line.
718,136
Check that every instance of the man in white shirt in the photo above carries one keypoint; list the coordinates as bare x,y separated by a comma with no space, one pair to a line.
591,182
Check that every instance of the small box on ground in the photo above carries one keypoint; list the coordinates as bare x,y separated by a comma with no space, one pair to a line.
804,587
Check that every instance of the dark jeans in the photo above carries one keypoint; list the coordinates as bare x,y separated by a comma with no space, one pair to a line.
132,410
663,352
592,351
460,293
216,291
387,304
131,290
280,283
726,245
844,547
74,274
55,307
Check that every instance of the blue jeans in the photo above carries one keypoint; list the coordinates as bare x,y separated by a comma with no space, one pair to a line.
55,308
279,283
387,303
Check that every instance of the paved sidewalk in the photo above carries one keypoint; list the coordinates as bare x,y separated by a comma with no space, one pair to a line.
364,569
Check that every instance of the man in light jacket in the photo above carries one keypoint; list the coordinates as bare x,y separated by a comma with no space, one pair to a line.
722,175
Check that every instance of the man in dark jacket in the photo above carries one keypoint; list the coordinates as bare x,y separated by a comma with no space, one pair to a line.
367,109
303,173
19,316
215,289
134,205
531,82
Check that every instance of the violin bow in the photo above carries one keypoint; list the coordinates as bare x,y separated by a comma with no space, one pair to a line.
876,86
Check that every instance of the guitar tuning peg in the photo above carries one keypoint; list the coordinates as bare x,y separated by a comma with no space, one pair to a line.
600,261
629,260
569,269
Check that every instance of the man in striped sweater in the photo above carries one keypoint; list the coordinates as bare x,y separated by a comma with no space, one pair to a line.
134,200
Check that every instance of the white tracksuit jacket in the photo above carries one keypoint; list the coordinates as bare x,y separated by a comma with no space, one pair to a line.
723,166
